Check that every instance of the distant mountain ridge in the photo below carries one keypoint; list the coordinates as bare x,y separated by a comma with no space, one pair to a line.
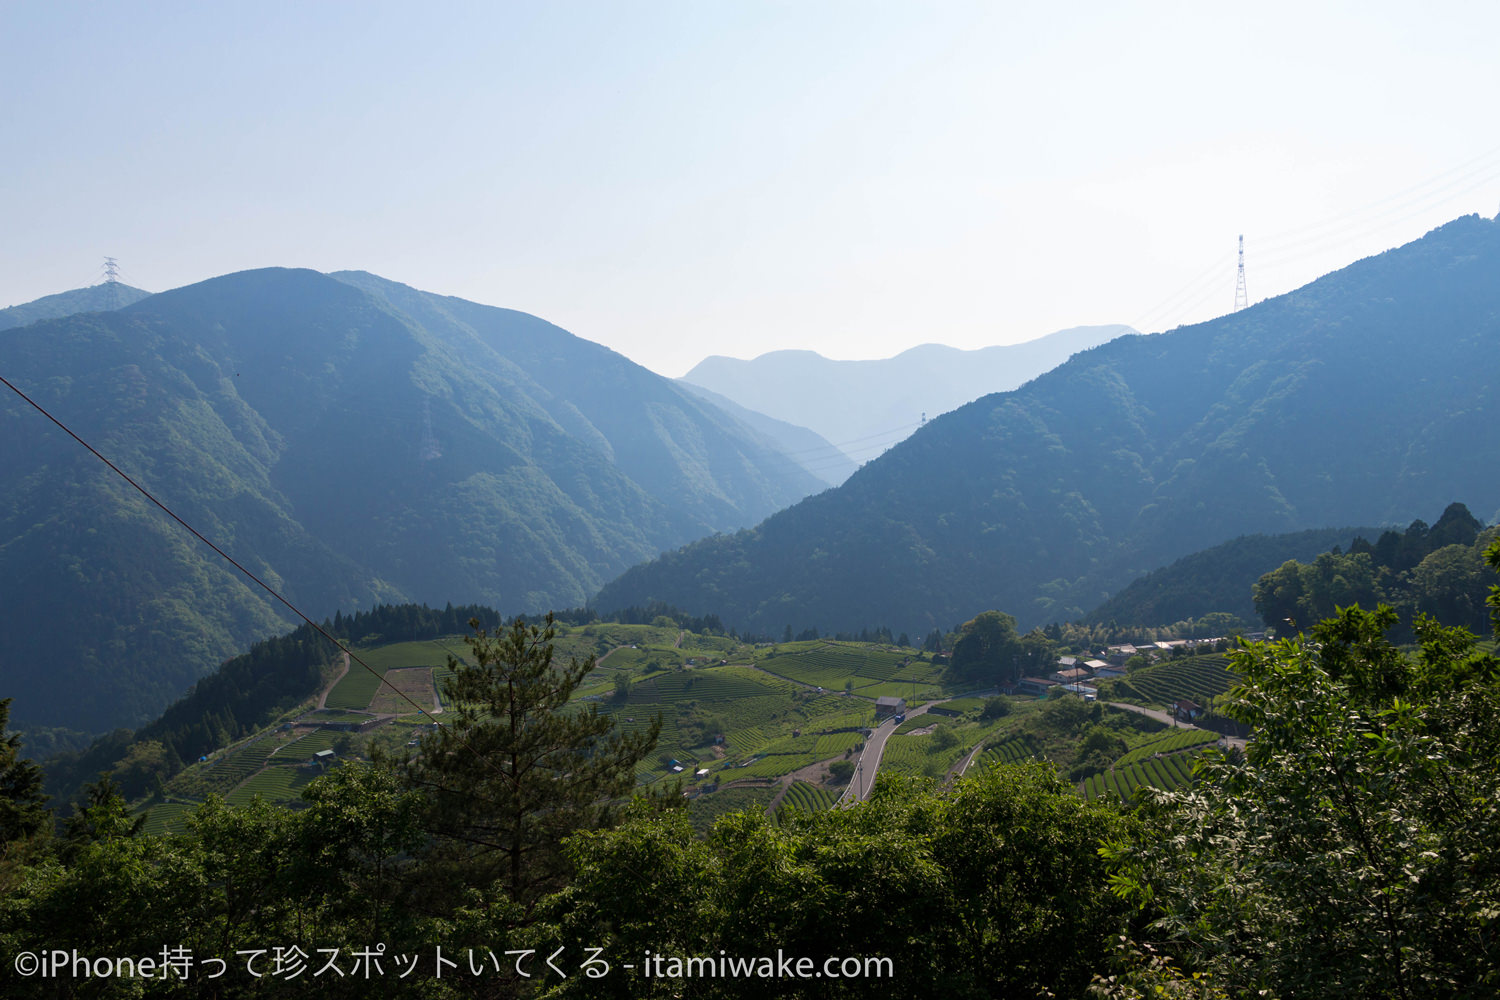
1366,397
866,406
352,440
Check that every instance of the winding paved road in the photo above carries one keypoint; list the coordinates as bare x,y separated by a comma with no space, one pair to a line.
863,781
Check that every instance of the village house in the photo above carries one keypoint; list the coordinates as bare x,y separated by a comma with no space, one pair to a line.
1084,691
1186,711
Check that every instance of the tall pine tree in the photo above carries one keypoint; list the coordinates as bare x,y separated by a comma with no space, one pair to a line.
514,772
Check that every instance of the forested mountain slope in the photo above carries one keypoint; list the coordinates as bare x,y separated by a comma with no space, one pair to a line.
808,448
1219,578
1366,397
95,298
347,437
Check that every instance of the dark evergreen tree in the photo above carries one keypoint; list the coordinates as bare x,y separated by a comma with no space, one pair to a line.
23,806
516,772
103,815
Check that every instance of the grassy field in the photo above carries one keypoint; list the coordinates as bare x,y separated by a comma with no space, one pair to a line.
740,712
700,686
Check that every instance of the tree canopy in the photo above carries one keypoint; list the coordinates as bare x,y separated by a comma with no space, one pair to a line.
518,769
1350,851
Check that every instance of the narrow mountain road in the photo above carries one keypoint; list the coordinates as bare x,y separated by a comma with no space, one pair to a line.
863,782
1151,713
323,698
968,761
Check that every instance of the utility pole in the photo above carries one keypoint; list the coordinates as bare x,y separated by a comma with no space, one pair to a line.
1241,297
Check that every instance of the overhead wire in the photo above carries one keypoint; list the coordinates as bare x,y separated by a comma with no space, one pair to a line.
1342,220
866,443
1171,305
1294,245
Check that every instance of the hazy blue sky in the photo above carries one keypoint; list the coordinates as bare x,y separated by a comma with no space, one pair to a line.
690,178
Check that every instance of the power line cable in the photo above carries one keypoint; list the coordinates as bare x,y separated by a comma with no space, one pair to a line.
1290,246
1469,168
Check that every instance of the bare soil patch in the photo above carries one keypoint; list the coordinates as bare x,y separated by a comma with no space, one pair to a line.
414,682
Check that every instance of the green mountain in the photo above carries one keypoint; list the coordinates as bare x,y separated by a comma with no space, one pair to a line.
351,440
96,298
1365,397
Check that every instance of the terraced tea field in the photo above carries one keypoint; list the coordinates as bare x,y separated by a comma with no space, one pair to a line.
703,810
808,798
1123,781
226,771
836,744
1010,750
771,765
167,817
831,665
274,784
1197,678
718,684
1169,742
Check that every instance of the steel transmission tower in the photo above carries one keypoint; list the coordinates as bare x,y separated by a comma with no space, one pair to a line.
1241,297
112,281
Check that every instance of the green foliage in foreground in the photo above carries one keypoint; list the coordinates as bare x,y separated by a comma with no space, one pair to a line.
987,889
1352,850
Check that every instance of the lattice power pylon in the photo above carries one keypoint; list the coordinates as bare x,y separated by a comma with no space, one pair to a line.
1241,297
112,281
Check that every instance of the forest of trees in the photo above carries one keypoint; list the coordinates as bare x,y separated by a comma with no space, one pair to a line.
1437,570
